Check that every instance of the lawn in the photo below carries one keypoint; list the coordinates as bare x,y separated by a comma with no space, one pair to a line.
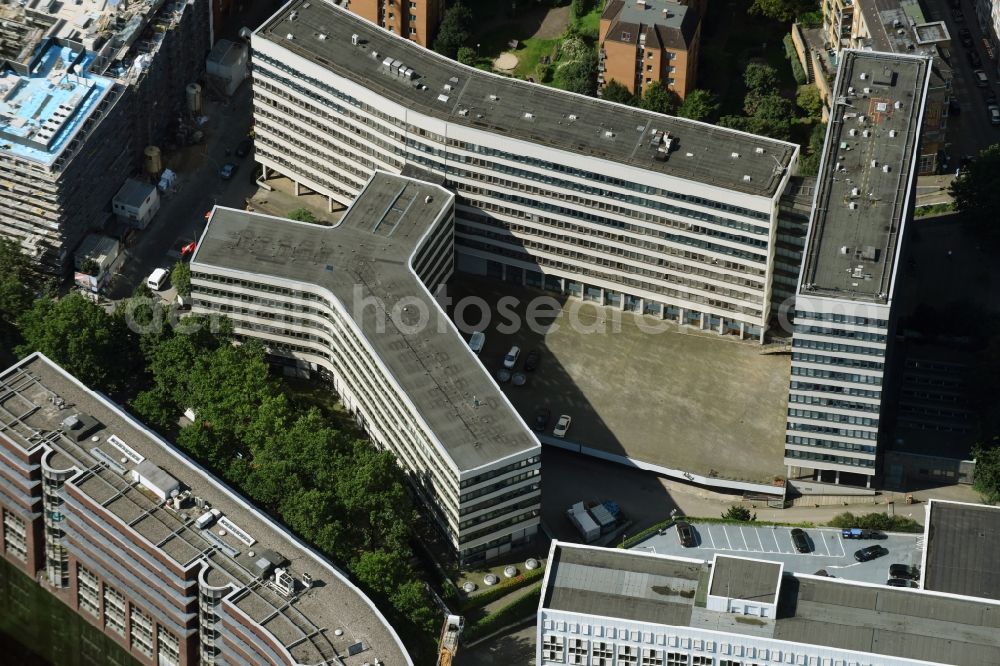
530,54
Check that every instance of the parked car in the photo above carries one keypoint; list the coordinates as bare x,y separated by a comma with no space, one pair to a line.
800,540
157,279
870,553
532,360
477,342
974,58
901,582
542,416
244,148
510,360
904,571
685,533
227,171
188,250
982,81
994,112
562,426
857,533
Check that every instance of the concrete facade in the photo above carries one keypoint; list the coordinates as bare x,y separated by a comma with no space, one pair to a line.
554,188
643,41
844,315
419,393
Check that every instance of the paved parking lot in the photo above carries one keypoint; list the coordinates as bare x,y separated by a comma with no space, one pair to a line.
679,398
829,550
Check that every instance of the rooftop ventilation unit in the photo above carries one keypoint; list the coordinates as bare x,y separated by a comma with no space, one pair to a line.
447,87
573,116
354,39
463,112
844,249
898,104
864,75
885,168
734,155
443,98
855,191
746,178
892,134
874,163
494,98
321,37
867,91
852,205
609,134
289,36
528,115
759,150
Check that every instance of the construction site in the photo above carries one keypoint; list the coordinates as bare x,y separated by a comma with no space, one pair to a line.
85,88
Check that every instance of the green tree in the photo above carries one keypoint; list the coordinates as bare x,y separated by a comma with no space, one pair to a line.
15,294
760,78
616,92
180,277
455,30
80,336
660,99
809,164
579,76
781,10
580,8
987,475
976,192
467,56
738,512
302,215
770,115
698,105
809,100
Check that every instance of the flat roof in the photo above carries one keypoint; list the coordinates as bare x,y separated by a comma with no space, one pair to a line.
366,257
742,578
133,192
321,33
866,179
836,613
962,543
42,110
37,396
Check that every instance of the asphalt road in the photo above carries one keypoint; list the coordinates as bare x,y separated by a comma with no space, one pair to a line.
971,130
181,218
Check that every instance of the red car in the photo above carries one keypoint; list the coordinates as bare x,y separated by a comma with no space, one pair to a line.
189,249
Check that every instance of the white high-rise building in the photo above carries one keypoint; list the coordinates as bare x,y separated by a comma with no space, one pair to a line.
613,607
632,209
844,305
353,303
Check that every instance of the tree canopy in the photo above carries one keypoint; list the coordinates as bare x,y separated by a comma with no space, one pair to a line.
579,75
809,163
767,111
987,478
698,105
302,215
760,78
180,277
660,99
15,295
976,192
613,91
782,10
80,336
455,30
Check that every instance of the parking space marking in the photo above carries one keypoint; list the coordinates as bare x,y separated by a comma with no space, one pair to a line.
823,541
774,538
744,537
709,533
729,546
759,542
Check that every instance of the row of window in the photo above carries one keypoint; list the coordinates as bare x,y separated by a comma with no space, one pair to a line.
826,457
861,336
800,371
795,398
837,347
841,318
839,390
837,360
836,432
836,418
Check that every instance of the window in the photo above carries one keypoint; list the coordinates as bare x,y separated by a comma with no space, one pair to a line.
651,657
141,631
168,648
114,610
627,655
649,68
626,36
413,30
677,659
413,17
88,593
552,649
701,660
14,536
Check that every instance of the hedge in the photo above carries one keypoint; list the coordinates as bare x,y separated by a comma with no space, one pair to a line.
798,73
876,521
516,610
502,589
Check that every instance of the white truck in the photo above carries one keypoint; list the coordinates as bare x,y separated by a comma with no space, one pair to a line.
585,524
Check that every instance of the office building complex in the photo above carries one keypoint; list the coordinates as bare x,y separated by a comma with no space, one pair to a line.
613,204
960,540
604,607
155,551
84,87
892,26
353,302
413,19
844,307
647,41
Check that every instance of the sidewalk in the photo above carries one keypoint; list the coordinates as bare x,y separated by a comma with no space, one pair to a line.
934,189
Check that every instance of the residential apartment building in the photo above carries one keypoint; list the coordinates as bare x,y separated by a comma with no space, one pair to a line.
988,15
844,318
84,87
413,19
609,606
156,552
620,206
354,304
647,41
895,26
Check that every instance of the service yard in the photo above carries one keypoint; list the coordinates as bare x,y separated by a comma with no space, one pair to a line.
828,550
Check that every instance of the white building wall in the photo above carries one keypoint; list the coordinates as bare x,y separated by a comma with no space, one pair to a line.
641,236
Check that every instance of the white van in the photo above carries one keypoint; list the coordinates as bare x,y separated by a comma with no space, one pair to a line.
477,342
157,279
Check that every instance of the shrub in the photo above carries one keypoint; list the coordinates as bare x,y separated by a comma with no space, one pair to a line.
516,610
876,521
798,73
502,589
740,513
